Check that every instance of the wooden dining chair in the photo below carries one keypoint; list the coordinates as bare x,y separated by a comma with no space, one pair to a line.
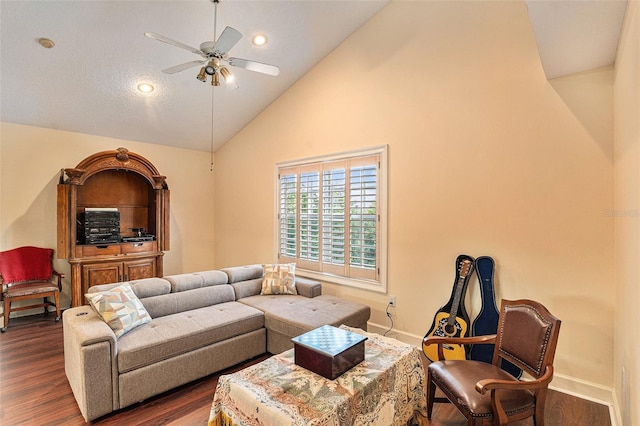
484,393
27,273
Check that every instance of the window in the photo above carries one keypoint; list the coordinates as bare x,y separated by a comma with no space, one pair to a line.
331,217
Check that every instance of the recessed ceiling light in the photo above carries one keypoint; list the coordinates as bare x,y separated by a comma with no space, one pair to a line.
259,40
145,88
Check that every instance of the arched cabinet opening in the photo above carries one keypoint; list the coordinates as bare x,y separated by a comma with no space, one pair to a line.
113,220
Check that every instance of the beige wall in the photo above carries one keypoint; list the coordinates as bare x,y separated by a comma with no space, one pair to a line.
485,158
627,206
31,159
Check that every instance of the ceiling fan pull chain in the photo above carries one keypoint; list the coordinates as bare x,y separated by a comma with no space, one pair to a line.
212,116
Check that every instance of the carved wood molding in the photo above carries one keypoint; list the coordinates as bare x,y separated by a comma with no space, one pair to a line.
119,159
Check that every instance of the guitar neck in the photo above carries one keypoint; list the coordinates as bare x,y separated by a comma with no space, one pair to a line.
456,300
464,270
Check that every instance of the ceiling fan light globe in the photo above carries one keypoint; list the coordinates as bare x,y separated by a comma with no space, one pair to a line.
226,74
210,70
215,79
202,75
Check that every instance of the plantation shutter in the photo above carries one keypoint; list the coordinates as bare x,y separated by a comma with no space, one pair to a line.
329,217
363,218
288,216
335,222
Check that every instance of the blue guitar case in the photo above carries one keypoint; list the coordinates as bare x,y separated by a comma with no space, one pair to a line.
487,320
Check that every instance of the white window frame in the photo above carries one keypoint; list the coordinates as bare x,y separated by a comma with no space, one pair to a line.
377,284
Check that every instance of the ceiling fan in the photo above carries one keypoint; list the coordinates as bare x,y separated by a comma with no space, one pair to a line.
215,56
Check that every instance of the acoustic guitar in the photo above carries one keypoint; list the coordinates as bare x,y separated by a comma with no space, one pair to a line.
487,320
452,319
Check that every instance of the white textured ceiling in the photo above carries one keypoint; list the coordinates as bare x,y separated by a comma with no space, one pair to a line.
576,35
86,83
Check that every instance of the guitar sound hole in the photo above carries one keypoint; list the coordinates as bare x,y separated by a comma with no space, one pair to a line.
449,329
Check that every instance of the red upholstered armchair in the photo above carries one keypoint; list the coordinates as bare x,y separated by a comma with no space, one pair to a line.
27,273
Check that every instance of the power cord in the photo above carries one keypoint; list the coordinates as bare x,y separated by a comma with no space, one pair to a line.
390,318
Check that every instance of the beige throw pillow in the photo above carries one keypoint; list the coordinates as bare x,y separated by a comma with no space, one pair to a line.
279,279
120,308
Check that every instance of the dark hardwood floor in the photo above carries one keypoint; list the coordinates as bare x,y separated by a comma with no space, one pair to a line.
34,390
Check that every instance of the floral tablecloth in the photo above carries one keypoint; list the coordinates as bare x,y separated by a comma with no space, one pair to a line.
387,388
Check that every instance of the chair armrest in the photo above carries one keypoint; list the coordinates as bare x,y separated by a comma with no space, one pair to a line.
497,385
471,340
60,277
444,340
492,384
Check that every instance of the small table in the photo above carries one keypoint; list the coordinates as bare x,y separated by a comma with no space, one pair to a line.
387,388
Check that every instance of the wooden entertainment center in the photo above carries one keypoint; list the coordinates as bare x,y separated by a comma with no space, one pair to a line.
119,181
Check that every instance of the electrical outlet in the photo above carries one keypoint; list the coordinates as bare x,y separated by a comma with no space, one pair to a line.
392,301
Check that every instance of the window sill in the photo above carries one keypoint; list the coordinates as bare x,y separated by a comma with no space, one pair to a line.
376,286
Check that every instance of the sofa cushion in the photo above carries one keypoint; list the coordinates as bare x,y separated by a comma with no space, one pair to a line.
295,315
173,303
183,332
183,282
120,308
213,277
279,279
243,273
146,287
247,288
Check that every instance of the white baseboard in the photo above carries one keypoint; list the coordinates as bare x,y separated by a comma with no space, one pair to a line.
408,338
570,385
590,391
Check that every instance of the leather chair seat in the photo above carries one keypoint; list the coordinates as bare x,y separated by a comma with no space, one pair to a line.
457,379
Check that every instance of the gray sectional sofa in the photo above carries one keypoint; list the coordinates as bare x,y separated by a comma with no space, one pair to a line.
201,323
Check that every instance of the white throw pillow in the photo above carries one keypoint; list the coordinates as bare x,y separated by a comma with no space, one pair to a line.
120,308
279,279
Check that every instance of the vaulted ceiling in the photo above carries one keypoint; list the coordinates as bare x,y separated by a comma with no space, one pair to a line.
87,82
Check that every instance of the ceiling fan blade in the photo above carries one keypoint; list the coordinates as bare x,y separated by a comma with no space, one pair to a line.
228,39
173,43
182,67
254,66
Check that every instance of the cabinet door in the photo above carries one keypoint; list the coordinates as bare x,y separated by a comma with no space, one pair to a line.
101,273
138,269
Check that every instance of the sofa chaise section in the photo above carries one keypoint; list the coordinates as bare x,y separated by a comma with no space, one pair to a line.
288,316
